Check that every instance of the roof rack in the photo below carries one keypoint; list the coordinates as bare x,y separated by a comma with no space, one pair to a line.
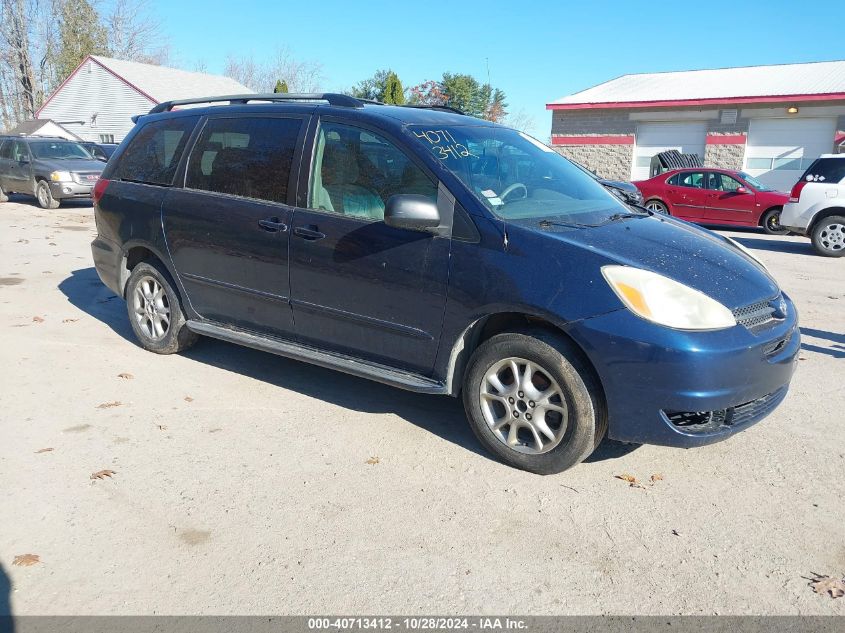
443,108
344,101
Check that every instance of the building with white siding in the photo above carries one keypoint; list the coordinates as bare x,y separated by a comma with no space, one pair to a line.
97,101
770,121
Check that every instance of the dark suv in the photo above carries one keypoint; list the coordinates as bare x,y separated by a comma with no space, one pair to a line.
441,254
50,168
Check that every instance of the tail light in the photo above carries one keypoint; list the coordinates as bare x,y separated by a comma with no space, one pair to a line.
99,189
795,194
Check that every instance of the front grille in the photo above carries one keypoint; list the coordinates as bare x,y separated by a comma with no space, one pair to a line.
86,177
755,315
702,422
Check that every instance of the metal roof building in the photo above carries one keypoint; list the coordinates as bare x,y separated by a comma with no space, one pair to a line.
770,121
98,99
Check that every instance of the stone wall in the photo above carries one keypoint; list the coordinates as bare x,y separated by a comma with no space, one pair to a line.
608,161
726,156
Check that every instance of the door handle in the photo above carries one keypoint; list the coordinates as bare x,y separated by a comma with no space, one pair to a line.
309,232
272,225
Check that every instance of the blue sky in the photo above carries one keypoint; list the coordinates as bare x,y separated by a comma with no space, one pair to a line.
538,50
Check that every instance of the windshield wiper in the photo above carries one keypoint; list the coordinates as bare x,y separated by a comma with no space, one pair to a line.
546,224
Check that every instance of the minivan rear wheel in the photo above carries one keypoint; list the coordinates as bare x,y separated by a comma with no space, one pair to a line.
829,236
45,196
155,311
532,401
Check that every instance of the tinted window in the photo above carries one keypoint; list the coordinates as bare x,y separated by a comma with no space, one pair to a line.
20,151
691,179
356,171
249,157
674,179
721,182
154,152
6,149
825,170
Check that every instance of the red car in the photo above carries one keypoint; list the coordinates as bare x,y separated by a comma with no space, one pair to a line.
715,196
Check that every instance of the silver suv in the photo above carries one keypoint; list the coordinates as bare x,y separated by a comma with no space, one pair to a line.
50,168
816,205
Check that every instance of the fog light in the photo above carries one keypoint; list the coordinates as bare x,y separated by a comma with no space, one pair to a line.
67,189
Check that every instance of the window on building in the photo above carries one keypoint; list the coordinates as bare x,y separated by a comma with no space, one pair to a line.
249,157
106,138
356,172
154,152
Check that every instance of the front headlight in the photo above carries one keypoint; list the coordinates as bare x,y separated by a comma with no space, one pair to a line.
60,176
746,251
665,301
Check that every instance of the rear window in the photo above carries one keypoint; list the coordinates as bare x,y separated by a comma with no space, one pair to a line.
825,170
249,157
155,151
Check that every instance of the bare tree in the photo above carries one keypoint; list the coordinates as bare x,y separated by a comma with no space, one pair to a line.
300,76
19,78
134,33
519,120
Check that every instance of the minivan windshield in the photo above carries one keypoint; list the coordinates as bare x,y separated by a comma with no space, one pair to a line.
59,149
517,177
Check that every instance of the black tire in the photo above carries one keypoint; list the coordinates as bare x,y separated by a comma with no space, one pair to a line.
176,337
585,422
44,196
771,222
3,196
829,236
657,206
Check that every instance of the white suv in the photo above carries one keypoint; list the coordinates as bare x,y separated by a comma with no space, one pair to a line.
816,205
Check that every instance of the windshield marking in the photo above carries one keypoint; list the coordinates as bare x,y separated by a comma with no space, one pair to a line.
450,148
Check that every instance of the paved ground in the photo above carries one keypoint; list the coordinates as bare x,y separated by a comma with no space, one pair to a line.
246,483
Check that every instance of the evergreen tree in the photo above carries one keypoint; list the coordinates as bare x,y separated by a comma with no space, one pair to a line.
81,33
393,92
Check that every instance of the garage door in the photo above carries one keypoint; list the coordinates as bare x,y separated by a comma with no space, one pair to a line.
779,150
653,138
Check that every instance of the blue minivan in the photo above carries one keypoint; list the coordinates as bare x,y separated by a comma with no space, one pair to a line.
442,254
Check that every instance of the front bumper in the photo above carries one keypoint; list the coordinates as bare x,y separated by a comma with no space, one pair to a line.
63,190
685,389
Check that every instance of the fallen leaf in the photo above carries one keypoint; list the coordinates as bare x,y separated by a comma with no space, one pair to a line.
69,320
52,243
214,430
38,319
23,241
43,450
834,587
373,460
109,405
125,376
101,474
26,560
161,427
632,481
188,399
657,477
675,533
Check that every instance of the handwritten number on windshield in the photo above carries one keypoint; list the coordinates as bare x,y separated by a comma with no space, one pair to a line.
444,145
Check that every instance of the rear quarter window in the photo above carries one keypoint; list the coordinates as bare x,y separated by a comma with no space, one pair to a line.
825,170
153,154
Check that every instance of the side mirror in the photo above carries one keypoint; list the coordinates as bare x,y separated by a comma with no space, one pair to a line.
742,190
411,212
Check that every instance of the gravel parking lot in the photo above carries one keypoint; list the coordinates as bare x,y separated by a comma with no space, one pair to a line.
247,483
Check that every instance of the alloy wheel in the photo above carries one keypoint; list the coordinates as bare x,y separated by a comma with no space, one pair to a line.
657,207
832,237
151,308
523,406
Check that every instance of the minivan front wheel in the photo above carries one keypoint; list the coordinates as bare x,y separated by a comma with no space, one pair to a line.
45,196
531,401
155,312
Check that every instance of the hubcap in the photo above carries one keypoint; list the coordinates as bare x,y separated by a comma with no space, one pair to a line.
656,207
523,406
151,308
774,221
832,237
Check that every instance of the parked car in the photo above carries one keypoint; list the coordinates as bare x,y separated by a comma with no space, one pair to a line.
445,255
51,169
816,206
626,191
100,151
715,196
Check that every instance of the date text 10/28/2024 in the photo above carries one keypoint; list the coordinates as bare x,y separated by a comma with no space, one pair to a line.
417,623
